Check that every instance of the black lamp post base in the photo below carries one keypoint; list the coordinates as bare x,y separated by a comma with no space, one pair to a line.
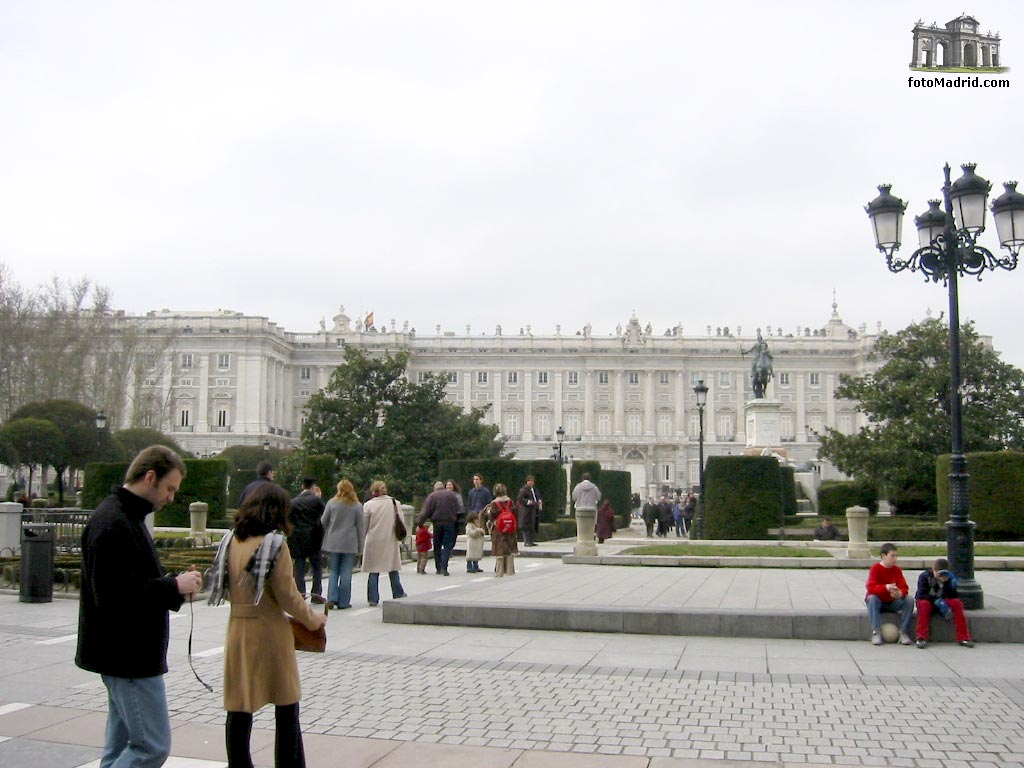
960,551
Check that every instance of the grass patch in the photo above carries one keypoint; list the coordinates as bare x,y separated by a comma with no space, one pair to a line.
980,550
715,550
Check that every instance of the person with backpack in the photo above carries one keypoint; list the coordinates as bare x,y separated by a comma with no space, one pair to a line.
504,524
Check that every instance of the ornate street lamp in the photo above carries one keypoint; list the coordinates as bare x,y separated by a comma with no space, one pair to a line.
701,392
948,248
266,450
101,424
560,434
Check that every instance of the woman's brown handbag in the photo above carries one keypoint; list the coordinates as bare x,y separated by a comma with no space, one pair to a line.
313,641
400,530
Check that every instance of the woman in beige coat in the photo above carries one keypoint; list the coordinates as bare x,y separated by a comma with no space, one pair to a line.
380,552
259,652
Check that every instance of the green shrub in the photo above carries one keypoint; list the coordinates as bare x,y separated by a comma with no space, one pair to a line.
100,479
788,480
550,479
914,500
205,480
237,480
742,497
995,490
324,469
836,496
616,487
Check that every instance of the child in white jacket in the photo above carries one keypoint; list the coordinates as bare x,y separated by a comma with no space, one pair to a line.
474,544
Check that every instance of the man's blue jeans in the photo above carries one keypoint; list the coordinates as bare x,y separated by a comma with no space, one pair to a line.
903,606
444,543
138,726
373,592
339,587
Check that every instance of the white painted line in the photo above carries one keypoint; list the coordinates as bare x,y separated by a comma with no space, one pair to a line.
485,578
174,762
17,706
534,565
361,611
451,586
209,652
55,640
86,686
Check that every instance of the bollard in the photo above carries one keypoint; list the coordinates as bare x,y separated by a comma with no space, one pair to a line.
585,545
857,526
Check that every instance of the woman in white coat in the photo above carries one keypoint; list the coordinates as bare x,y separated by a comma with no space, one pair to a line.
381,553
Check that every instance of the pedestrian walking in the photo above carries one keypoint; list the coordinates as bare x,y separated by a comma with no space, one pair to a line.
344,537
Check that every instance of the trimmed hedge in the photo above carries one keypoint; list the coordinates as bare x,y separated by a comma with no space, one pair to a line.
788,479
512,473
742,497
836,496
995,490
205,480
237,480
616,486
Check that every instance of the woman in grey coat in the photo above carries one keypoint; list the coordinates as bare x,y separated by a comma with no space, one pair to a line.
344,535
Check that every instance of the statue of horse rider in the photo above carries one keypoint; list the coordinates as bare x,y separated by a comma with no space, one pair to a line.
761,369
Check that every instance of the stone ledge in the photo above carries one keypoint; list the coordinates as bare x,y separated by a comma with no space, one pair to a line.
698,561
987,626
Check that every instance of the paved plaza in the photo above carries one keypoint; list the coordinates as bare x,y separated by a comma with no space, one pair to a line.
403,695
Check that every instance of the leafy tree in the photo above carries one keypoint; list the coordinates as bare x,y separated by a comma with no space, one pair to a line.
34,441
82,443
129,442
380,425
907,402
249,456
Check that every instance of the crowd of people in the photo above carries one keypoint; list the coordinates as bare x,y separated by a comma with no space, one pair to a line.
666,514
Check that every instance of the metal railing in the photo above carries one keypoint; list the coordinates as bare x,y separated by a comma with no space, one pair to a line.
68,526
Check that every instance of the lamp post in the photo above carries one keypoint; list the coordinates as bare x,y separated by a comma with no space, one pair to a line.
701,393
266,450
948,248
101,424
560,434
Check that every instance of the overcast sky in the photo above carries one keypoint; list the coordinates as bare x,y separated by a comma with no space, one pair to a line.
480,163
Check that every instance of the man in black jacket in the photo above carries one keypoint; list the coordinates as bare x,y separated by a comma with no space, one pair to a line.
442,509
307,537
123,627
529,505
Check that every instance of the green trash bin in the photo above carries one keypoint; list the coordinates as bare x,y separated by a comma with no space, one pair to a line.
37,543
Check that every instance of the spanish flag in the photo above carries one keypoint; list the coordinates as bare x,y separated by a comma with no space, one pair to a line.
368,323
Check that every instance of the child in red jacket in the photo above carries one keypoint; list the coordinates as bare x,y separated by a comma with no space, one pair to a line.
887,590
423,542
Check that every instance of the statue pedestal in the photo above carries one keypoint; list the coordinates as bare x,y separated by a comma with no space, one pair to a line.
763,423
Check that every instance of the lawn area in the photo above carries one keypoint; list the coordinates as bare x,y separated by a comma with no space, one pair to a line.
744,550
980,550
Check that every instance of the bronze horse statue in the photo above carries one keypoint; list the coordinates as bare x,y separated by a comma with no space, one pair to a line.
761,367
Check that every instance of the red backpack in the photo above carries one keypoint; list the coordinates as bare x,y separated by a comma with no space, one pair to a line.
506,522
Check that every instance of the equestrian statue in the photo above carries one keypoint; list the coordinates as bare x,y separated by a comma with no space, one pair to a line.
761,367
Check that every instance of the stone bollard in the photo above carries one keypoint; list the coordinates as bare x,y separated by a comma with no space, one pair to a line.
857,527
10,528
197,512
585,544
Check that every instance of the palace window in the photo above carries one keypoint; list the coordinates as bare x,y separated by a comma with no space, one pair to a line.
602,377
604,424
783,379
724,379
786,427
481,378
223,360
185,417
846,423
306,373
664,425
572,425
693,425
513,426
186,359
634,377
422,376
222,418
513,378
663,377
542,377
452,377
574,378
633,425
542,426
695,376
726,426
814,379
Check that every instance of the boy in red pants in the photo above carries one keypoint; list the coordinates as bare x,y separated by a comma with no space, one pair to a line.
936,591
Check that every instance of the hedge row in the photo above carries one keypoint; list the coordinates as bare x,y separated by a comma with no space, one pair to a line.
995,490
787,476
836,496
616,486
550,479
205,480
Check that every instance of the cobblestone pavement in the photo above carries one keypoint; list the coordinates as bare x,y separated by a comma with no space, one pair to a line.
666,700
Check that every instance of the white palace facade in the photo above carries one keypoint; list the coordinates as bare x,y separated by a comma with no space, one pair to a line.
624,398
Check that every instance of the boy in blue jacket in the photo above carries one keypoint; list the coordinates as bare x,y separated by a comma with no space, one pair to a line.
936,591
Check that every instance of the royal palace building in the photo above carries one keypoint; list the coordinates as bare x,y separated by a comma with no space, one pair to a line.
624,398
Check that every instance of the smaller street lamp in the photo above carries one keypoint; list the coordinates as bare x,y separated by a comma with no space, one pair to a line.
101,424
266,450
560,434
701,392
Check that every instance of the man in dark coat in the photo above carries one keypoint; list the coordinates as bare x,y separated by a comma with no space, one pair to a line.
529,504
264,474
307,537
650,514
442,509
125,597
